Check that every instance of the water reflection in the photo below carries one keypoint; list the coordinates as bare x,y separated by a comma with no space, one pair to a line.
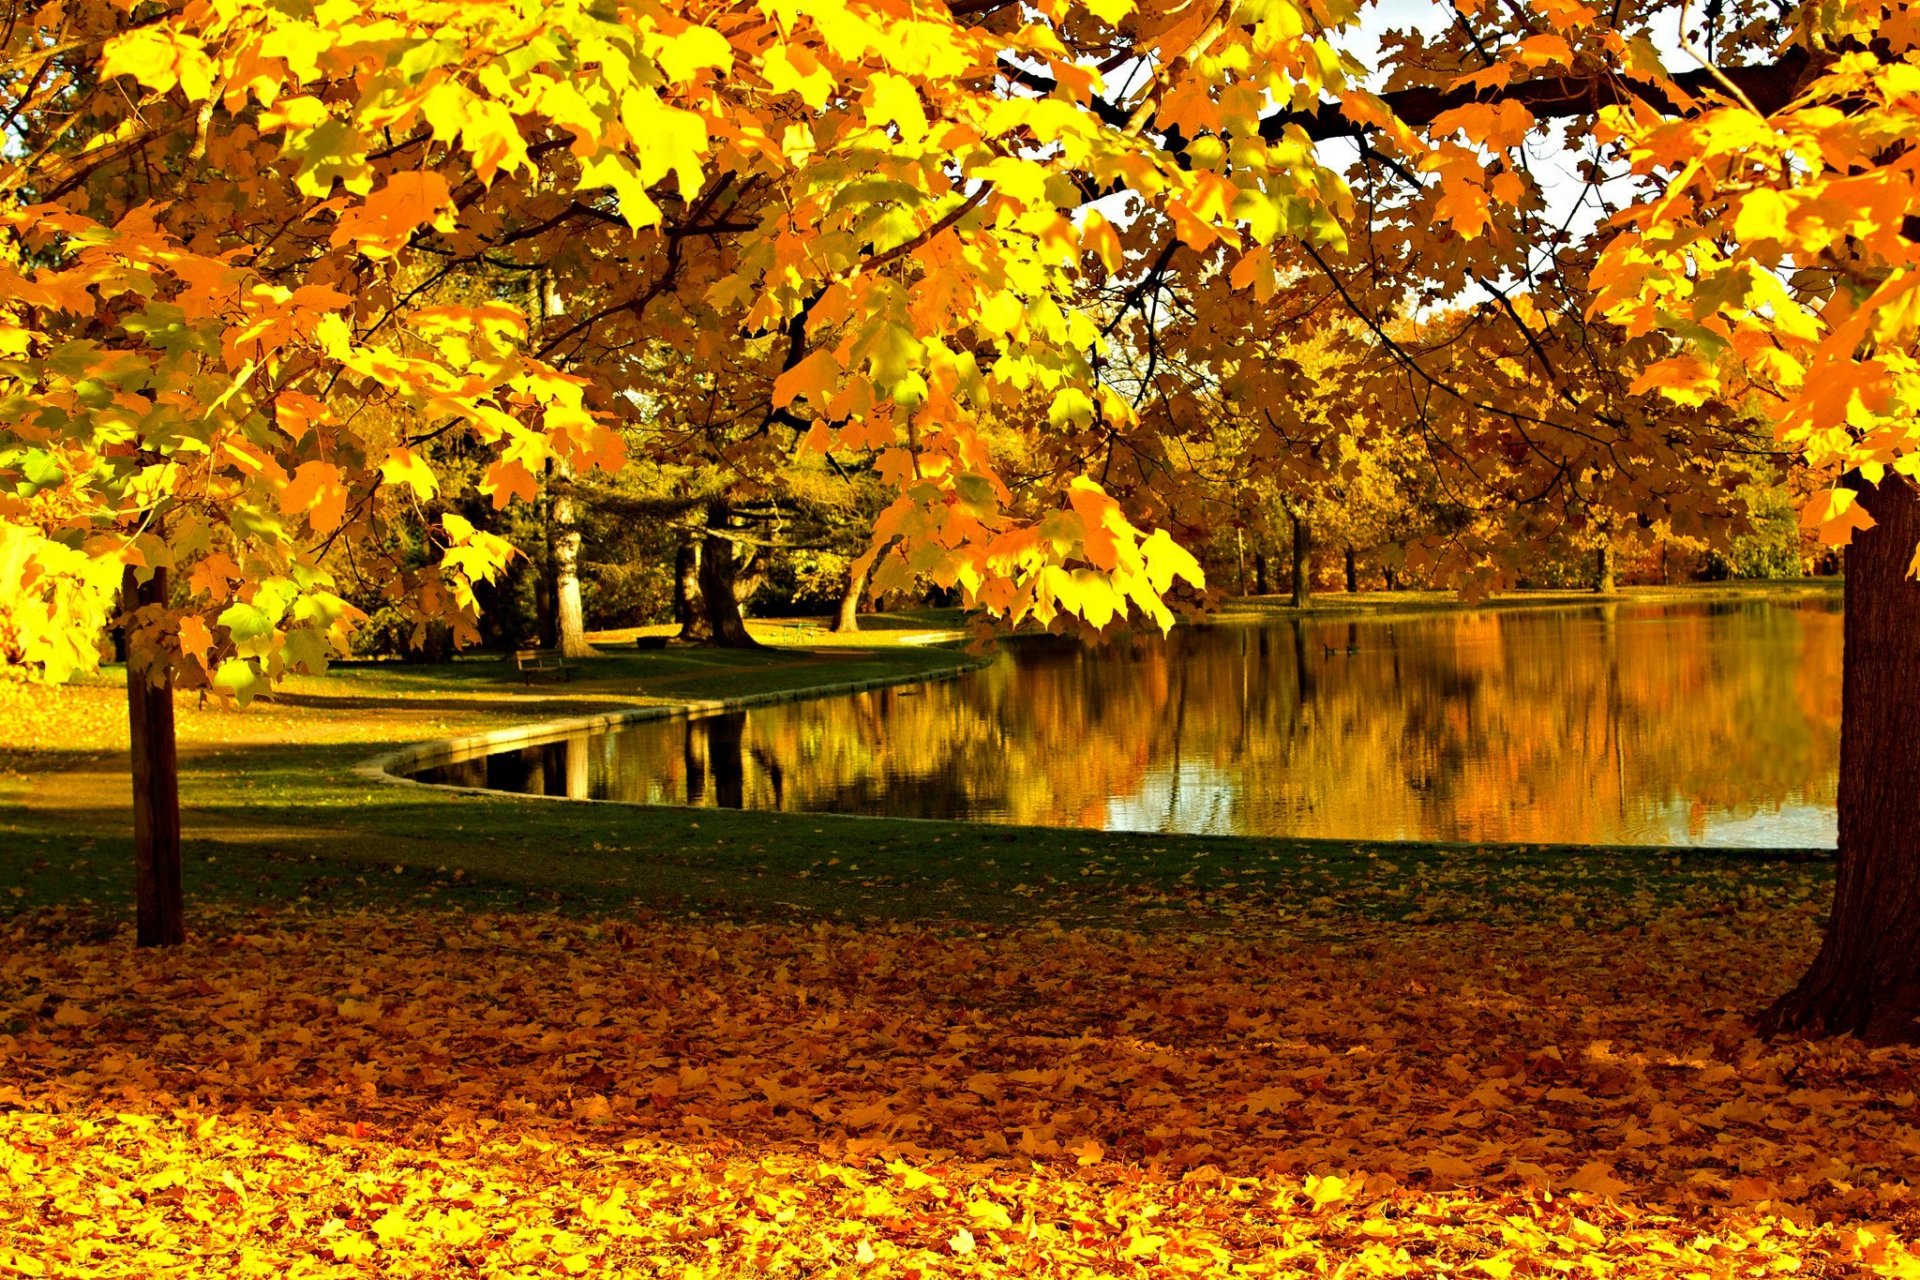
1650,724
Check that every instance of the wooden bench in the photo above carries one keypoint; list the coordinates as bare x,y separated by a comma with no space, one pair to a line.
541,662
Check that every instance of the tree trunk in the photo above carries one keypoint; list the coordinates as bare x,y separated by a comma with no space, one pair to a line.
545,633
716,585
1866,979
563,545
1302,563
689,608
1603,569
1353,573
1261,586
847,617
160,914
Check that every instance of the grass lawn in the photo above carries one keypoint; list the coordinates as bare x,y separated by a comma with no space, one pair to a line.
429,1034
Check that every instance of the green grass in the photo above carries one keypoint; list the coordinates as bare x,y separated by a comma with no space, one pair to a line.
276,814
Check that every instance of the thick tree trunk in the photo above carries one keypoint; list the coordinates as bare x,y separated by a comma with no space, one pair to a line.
1302,562
689,608
717,585
847,617
1353,573
160,914
1866,979
563,544
1603,569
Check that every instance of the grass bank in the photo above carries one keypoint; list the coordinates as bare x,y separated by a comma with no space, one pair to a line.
275,813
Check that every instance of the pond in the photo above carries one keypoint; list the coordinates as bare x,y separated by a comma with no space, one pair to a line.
1690,723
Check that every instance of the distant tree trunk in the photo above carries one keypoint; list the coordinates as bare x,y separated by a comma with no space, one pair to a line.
160,914
1302,562
689,608
543,612
1865,980
1353,573
563,546
1603,569
1261,586
717,584
1393,578
436,645
847,617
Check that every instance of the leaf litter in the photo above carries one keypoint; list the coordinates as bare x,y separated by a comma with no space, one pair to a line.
403,1092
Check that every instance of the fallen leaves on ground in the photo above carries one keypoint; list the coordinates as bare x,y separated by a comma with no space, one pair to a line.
438,1094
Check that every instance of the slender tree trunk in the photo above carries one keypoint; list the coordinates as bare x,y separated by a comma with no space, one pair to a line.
1302,562
563,545
1353,573
847,617
1261,586
160,914
717,586
546,633
1393,578
689,608
1603,569
1866,978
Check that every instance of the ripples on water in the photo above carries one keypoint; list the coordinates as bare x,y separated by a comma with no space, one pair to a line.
1660,724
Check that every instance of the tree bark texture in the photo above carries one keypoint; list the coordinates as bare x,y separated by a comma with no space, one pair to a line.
717,585
689,608
1865,980
563,544
1302,562
847,617
1603,569
1353,573
160,915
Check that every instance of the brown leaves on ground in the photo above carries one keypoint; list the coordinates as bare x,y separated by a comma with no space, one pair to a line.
442,1095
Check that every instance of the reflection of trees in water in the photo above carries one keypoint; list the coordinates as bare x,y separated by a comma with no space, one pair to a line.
1593,724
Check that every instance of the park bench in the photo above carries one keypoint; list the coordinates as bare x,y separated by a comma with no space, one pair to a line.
541,662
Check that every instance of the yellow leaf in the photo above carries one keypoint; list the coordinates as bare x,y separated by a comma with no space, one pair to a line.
385,221
813,379
404,466
1327,1190
317,491
195,638
391,1226
685,54
1098,237
893,100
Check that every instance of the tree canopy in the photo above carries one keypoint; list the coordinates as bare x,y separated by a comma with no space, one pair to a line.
260,256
